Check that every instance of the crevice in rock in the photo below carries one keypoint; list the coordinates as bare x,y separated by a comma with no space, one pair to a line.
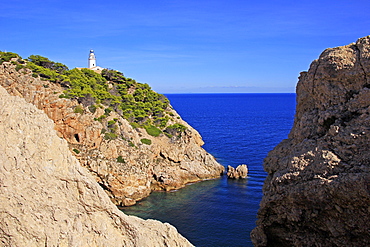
358,51
350,94
314,76
77,137
328,122
168,158
104,186
348,116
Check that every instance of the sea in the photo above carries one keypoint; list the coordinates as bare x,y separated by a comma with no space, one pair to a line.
237,129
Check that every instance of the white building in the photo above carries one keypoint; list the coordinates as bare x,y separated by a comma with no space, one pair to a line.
92,62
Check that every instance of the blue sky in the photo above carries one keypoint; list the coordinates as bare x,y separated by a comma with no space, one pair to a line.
179,46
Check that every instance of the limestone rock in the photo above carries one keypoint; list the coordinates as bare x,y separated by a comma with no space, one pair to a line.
48,199
127,169
241,171
317,190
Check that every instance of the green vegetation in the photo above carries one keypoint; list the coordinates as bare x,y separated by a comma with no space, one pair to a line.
110,90
45,72
76,151
111,122
78,109
110,136
19,67
161,121
92,109
168,135
175,129
100,118
7,56
131,144
120,159
146,141
46,63
152,130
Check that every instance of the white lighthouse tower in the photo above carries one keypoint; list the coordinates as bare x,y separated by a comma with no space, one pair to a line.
92,60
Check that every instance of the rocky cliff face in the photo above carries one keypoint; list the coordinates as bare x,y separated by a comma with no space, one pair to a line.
317,192
125,167
48,199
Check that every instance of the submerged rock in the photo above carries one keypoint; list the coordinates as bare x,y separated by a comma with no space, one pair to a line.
241,171
317,192
48,199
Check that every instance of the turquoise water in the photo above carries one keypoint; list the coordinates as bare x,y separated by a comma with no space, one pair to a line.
237,129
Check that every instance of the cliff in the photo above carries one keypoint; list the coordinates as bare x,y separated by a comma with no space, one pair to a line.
317,192
48,199
124,158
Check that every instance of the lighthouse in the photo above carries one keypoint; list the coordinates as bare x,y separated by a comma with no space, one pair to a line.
92,60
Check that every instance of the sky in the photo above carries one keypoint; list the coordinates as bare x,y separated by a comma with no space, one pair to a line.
178,46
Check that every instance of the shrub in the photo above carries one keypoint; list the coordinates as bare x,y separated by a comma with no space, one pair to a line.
63,96
146,141
78,109
152,130
107,111
19,67
7,56
110,136
134,125
168,135
178,127
175,129
76,151
92,109
120,159
87,100
45,73
46,63
111,122
100,118
161,121
113,128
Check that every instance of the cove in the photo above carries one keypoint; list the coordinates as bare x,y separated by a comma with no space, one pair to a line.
237,129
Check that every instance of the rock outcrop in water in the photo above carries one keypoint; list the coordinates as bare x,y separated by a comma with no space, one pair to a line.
48,199
127,168
241,171
317,192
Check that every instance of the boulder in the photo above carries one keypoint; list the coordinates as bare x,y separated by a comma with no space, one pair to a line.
241,171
